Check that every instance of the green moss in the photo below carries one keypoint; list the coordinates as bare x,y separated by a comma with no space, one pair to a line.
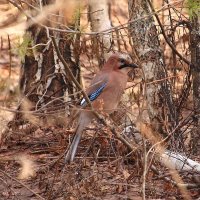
23,48
75,22
76,18
193,7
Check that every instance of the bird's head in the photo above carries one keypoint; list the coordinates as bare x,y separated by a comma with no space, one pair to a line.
120,61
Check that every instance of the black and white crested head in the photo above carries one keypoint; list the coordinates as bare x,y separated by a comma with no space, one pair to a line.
119,61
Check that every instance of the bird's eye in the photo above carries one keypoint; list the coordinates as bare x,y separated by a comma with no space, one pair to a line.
122,60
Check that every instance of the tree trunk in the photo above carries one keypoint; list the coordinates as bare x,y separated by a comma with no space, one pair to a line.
160,105
44,81
195,59
99,17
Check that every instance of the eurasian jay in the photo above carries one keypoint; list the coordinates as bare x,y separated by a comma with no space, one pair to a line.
104,93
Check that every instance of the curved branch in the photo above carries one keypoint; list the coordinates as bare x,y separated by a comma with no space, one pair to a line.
106,31
166,38
70,72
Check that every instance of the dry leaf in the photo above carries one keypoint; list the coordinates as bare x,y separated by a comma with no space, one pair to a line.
27,167
126,174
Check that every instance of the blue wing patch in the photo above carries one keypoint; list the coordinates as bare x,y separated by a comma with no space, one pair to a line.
94,95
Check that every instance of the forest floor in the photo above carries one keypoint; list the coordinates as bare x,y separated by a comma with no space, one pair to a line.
32,167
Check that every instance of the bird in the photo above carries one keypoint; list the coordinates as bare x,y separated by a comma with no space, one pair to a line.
104,93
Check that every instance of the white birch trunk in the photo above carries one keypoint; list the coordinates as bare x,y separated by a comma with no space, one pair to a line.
100,20
168,158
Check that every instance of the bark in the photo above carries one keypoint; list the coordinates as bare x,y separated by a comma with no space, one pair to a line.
99,17
161,108
195,60
44,80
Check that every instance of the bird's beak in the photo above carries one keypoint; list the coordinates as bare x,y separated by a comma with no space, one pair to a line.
133,65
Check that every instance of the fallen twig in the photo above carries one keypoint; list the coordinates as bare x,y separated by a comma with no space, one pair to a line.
36,194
